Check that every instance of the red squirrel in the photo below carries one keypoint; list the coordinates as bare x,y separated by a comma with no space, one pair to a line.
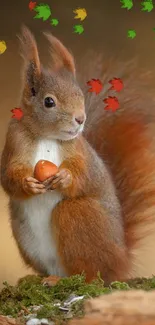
85,219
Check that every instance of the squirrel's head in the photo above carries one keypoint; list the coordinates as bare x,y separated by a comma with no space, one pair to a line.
52,101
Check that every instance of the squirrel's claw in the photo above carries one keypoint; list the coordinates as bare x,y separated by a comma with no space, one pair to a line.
61,180
32,186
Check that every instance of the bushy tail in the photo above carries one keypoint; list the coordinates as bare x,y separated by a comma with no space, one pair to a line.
125,139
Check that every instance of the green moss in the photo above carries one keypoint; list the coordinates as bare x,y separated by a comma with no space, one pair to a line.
48,311
78,308
30,292
143,283
120,285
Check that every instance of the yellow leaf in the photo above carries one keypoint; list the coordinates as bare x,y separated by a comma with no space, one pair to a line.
80,13
2,47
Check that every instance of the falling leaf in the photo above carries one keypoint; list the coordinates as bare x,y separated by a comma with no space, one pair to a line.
43,11
54,22
96,86
80,13
147,5
117,84
17,113
3,47
127,4
78,29
112,103
132,33
32,5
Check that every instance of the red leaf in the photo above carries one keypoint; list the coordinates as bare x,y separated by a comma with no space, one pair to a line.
117,84
32,5
112,103
17,113
96,86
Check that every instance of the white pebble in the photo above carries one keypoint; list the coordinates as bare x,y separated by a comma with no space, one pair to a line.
35,308
36,321
44,321
33,321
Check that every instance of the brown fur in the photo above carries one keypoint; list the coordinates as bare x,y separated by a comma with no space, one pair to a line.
130,153
93,232
60,55
128,146
126,140
81,229
15,157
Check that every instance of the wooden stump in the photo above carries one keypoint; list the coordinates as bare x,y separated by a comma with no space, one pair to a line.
134,307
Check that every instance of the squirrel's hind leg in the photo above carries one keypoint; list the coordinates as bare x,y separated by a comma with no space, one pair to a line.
85,241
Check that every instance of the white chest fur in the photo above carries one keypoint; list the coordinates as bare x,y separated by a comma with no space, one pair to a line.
35,231
48,150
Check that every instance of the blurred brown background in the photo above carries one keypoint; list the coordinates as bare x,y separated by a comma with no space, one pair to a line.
105,30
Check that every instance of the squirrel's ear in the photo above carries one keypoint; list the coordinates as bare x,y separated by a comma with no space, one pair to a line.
29,52
61,57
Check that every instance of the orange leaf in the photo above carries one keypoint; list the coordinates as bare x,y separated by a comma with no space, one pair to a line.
32,5
117,84
96,86
17,113
112,103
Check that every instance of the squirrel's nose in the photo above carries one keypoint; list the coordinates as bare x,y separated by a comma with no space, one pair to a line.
80,119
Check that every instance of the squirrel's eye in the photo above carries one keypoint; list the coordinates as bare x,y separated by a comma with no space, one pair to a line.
49,102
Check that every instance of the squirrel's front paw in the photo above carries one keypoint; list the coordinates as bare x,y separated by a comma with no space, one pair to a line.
61,180
32,186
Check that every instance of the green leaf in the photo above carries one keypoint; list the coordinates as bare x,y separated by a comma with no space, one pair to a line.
147,5
43,11
131,33
127,4
78,29
54,22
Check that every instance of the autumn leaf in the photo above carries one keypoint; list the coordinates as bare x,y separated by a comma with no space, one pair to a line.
78,29
131,33
3,47
117,84
147,5
54,22
43,11
96,86
80,13
32,5
127,4
112,103
17,113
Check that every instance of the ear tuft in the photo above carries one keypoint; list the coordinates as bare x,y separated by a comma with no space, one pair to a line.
28,44
29,52
61,57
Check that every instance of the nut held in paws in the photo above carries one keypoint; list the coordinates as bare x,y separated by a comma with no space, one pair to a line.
44,169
